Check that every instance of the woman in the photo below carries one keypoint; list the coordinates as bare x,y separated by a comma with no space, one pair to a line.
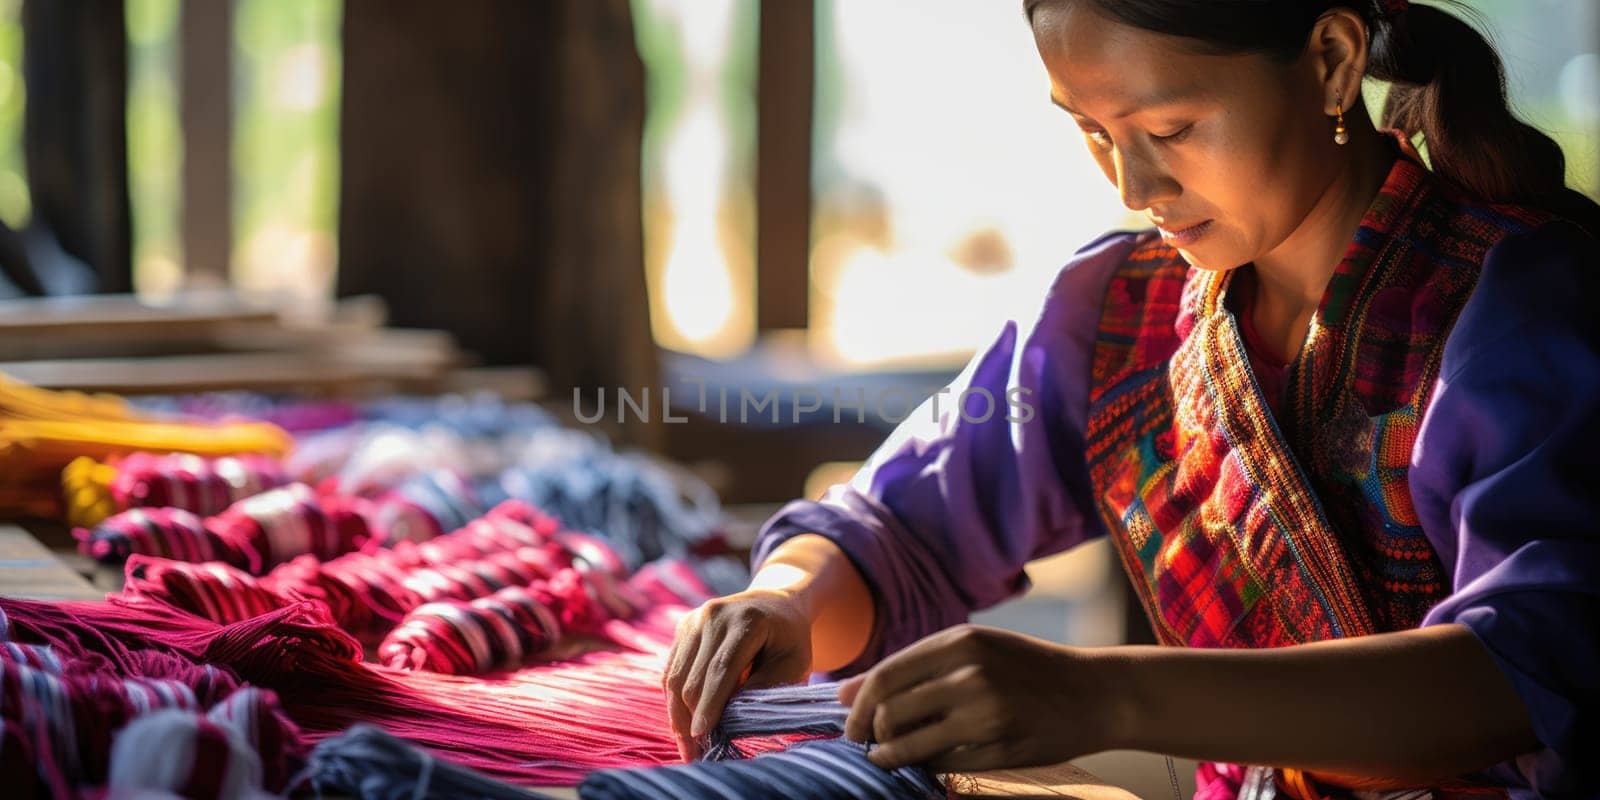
1339,414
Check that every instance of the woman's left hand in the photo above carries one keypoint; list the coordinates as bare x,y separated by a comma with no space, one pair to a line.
971,698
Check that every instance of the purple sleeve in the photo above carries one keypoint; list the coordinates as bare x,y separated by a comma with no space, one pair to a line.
943,516
1504,479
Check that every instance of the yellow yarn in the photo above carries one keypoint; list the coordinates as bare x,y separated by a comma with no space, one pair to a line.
61,439
21,401
86,487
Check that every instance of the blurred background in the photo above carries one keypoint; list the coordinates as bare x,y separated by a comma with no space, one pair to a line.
753,194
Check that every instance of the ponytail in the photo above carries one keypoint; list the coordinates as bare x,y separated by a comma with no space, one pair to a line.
1448,84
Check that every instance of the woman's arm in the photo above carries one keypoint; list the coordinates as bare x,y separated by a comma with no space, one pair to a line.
1418,705
1424,704
830,592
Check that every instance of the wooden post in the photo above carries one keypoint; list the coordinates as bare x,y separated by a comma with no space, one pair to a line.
75,62
785,89
490,183
205,43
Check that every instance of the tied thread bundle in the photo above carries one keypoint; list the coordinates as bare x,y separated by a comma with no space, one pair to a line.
41,432
506,628
63,712
243,747
520,623
262,530
95,490
254,534
366,591
426,505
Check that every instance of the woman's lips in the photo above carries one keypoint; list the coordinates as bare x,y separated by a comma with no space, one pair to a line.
1186,236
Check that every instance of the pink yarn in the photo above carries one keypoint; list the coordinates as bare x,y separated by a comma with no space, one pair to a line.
204,486
254,534
549,724
509,627
371,590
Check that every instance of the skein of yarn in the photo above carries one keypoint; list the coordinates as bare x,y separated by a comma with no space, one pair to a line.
95,490
366,763
255,534
827,769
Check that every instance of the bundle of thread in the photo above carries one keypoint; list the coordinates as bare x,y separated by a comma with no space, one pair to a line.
95,490
69,710
512,545
84,720
243,747
254,534
425,506
509,627
546,620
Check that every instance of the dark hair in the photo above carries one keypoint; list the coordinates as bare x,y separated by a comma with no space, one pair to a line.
1446,82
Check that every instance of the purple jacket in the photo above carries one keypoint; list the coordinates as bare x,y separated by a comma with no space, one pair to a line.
943,517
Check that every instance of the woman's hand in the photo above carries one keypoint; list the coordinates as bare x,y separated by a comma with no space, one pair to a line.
971,698
766,632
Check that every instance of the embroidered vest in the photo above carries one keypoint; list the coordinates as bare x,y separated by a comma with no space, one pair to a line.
1239,529
1242,530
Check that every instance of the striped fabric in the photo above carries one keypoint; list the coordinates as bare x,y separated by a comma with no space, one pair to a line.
1241,529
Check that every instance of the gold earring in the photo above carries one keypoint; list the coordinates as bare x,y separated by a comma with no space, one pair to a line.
1340,135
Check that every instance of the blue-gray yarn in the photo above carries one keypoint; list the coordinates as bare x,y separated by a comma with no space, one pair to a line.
824,769
366,763
445,503
627,500
813,709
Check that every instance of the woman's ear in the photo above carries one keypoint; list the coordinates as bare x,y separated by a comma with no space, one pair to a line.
1337,49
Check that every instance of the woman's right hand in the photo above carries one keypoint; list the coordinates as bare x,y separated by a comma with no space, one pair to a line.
756,638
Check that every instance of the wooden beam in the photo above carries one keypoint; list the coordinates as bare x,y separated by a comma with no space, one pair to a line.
75,65
785,89
205,103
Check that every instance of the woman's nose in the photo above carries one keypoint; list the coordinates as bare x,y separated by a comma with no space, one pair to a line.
1141,183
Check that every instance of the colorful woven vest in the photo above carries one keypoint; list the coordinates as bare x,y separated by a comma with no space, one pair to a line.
1241,529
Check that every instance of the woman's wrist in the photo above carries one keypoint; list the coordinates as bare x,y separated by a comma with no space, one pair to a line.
797,570
828,590
1124,697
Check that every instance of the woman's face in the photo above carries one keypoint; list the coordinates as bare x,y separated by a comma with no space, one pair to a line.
1226,154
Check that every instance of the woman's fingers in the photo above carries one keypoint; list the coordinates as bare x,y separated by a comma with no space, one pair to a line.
922,661
924,744
920,705
685,645
755,638
723,671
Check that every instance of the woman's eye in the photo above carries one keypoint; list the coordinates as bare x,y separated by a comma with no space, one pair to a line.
1176,136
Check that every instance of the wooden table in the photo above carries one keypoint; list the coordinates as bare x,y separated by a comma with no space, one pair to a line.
29,569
